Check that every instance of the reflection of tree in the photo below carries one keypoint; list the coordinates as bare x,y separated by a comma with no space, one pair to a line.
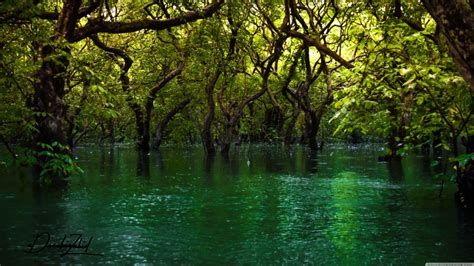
294,160
395,169
45,213
107,162
208,168
159,161
270,207
102,163
272,163
143,164
231,166
310,162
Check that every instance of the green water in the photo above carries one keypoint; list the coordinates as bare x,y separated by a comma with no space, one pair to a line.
262,205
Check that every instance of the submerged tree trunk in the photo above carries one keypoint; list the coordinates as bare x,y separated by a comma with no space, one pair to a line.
291,127
290,95
395,136
272,123
400,117
274,117
230,132
143,132
47,102
226,140
311,129
313,115
392,145
50,114
144,137
160,128
142,114
207,139
112,135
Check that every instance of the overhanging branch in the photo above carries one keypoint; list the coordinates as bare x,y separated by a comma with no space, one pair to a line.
95,26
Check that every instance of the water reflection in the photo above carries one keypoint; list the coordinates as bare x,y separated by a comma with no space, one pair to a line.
310,165
262,205
107,164
208,170
230,166
159,163
143,164
395,169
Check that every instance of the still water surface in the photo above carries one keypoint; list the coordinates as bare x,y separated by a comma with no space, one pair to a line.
262,205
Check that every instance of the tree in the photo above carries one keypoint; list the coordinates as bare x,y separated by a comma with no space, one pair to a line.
143,112
265,65
255,70
55,56
319,31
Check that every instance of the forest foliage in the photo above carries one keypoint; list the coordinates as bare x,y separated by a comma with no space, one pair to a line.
225,72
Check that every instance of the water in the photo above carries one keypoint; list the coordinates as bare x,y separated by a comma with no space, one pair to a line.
262,205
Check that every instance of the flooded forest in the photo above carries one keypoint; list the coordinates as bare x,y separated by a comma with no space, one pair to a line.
253,132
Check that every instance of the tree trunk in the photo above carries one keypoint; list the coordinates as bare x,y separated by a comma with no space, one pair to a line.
48,101
291,126
143,131
311,130
229,135
50,110
274,117
49,85
207,139
112,131
291,97
160,128
272,123
225,148
49,90
455,19
142,115
395,137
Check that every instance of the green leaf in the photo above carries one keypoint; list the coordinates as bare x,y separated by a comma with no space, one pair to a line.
419,100
464,159
405,71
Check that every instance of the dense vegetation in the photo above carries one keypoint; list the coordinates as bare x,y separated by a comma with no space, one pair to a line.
225,72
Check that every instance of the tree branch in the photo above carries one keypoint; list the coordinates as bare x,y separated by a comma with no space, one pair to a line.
320,47
160,128
95,26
